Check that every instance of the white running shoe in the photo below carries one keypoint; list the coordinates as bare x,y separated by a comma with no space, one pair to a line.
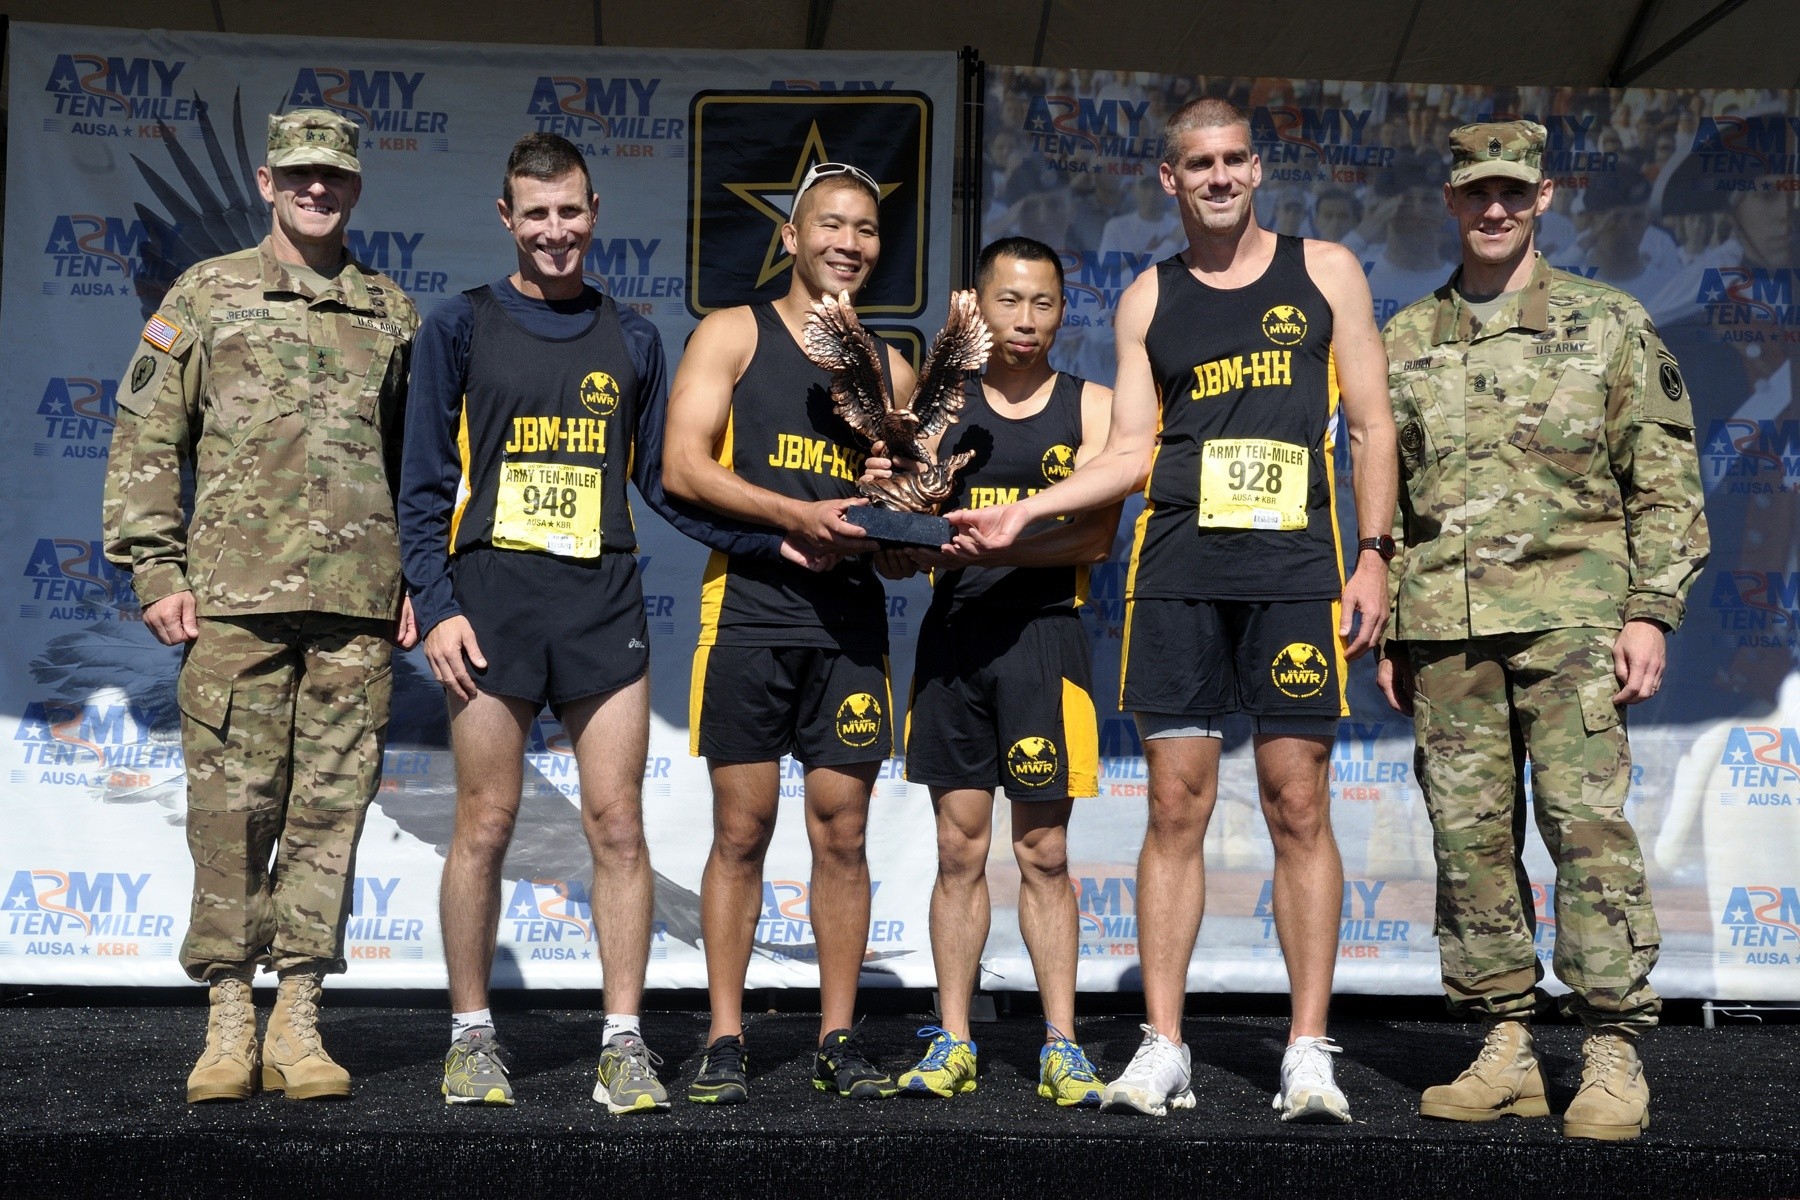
1308,1092
1156,1080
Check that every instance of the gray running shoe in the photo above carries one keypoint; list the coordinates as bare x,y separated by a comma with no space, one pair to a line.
475,1071
628,1080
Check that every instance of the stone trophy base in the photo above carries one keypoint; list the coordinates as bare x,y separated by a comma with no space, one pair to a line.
902,528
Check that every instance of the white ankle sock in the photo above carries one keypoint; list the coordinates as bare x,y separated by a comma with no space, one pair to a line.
462,1022
617,1023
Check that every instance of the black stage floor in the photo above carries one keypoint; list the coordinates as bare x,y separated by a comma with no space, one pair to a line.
91,1103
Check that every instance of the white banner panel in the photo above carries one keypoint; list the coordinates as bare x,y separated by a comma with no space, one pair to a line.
1683,198
103,212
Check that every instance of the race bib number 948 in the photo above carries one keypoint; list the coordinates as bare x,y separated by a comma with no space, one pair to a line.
548,507
1252,483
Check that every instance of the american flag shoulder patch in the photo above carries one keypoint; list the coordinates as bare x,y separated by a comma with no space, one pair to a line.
161,333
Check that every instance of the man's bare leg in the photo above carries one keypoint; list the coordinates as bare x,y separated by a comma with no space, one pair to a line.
487,735
1048,918
1309,873
837,817
611,735
744,805
1171,895
959,899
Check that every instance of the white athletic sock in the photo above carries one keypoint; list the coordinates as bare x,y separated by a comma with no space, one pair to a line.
617,1023
461,1023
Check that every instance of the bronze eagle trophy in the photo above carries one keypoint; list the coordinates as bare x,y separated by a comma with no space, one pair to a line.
835,340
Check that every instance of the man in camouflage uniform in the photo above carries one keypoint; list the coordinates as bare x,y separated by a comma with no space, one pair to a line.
278,375
1551,526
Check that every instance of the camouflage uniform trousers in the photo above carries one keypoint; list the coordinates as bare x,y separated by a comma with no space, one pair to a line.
284,718
1481,707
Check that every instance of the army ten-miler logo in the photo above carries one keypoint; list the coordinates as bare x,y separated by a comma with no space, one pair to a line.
750,152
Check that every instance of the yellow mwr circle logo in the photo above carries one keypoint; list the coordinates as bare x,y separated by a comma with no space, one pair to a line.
859,720
600,393
1032,761
1300,670
1284,325
1058,463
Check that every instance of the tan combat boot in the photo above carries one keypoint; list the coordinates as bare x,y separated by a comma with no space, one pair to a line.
227,1067
1502,1081
1613,1104
294,1060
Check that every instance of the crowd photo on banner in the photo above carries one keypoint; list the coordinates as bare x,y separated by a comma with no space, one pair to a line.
309,570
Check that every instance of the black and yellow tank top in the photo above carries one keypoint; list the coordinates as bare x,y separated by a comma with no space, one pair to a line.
549,431
784,435
1014,458
1239,501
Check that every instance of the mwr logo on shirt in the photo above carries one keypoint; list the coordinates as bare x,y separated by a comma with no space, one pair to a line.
859,720
1284,325
1058,463
600,393
1032,761
1300,670
750,152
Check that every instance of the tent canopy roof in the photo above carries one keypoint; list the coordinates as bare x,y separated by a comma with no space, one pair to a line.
1749,43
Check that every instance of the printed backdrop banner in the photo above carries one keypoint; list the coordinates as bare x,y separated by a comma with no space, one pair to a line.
1683,198
131,155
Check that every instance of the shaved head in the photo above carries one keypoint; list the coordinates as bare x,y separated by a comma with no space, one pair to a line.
1208,112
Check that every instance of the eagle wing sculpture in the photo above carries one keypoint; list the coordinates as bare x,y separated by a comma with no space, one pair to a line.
836,340
960,347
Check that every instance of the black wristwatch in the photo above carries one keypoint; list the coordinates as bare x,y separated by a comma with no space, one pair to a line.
1383,545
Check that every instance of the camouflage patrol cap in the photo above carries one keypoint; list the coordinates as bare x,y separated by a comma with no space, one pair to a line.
1514,149
313,136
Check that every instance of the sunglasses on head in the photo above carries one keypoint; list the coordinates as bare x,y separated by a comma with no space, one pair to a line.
827,170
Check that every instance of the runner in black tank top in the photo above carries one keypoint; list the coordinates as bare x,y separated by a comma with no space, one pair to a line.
1230,354
1239,502
1002,687
530,394
785,436
1014,457
792,659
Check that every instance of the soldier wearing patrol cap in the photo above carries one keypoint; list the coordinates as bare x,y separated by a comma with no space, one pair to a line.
278,375
1550,526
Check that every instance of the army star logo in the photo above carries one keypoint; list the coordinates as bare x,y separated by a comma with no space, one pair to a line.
775,200
749,152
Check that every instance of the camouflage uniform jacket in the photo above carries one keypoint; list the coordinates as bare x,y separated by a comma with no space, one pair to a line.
288,407
1548,463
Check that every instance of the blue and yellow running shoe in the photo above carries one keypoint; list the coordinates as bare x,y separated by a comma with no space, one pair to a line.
947,1069
1065,1075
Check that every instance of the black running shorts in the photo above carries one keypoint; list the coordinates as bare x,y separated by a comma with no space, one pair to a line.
1210,657
551,630
1004,703
827,708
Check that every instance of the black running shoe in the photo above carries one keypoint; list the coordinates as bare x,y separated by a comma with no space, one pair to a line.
841,1066
723,1077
